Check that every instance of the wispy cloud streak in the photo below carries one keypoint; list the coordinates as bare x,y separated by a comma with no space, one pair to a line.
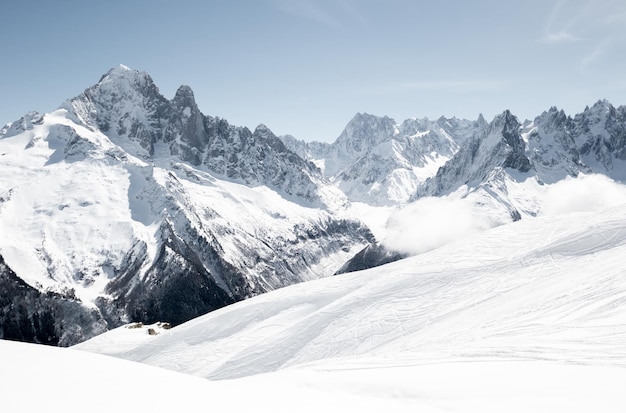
332,14
444,86
597,25
596,53
557,31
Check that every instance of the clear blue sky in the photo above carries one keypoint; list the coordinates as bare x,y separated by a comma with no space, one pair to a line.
305,67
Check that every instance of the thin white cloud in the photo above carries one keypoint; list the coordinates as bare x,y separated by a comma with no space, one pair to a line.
601,49
616,18
445,86
560,38
352,11
556,29
333,14
597,25
306,9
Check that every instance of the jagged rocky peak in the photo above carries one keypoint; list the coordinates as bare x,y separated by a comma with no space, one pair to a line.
263,131
509,127
480,122
265,136
127,106
122,82
598,112
364,132
602,105
24,123
500,145
444,122
124,103
505,121
552,118
413,126
184,98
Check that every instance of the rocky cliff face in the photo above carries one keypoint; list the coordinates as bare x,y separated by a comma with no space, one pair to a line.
591,141
499,146
127,106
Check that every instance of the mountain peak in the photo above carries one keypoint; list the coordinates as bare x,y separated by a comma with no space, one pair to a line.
506,120
122,78
364,131
602,105
122,67
119,71
184,91
263,131
184,97
367,117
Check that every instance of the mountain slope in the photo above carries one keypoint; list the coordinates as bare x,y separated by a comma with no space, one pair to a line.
535,290
56,373
134,207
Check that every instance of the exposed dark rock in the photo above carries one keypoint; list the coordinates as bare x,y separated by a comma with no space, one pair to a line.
371,256
27,314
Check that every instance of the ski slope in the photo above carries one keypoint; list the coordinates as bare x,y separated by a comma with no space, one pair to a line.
52,379
526,316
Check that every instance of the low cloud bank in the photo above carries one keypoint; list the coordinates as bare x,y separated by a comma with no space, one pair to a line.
586,193
432,222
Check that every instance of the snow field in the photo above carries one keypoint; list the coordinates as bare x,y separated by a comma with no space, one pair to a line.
529,316
66,380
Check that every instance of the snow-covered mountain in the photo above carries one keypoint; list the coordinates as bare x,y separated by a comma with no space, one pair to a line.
380,162
122,205
127,106
591,141
526,316
503,165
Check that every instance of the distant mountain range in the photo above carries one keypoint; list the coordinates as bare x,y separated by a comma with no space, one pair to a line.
381,162
122,205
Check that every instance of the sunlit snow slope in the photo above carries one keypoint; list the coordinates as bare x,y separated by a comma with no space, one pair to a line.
42,378
546,290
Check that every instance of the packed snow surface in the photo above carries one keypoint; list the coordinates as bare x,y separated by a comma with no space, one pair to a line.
40,378
526,316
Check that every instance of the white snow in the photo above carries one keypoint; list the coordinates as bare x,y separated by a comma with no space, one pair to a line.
66,218
75,204
39,378
529,316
